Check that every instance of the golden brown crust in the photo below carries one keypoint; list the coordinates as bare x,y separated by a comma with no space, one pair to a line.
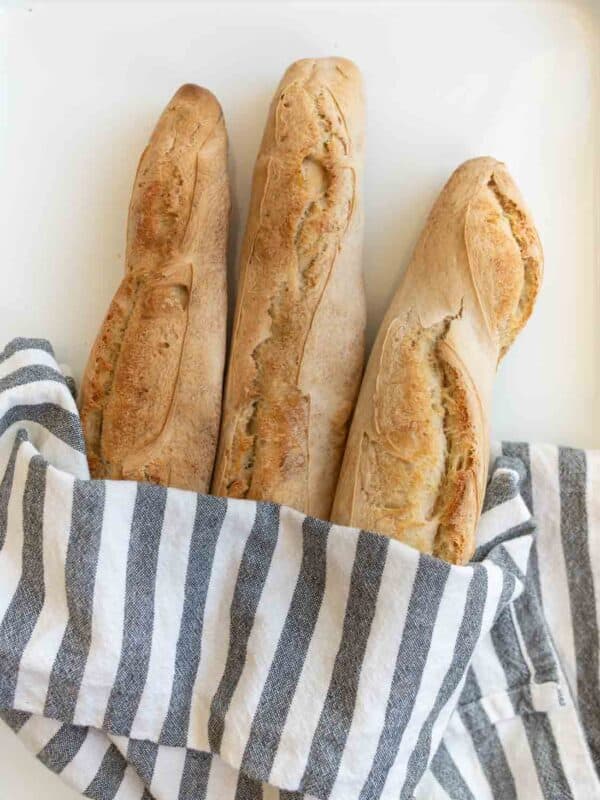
416,458
151,393
297,350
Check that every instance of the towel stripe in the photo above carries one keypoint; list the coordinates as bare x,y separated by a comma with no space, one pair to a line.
532,629
11,555
210,514
63,747
6,486
44,643
194,780
62,423
108,603
24,608
80,772
520,452
30,358
142,754
15,719
229,551
303,717
539,733
448,620
546,756
573,521
172,560
487,743
267,627
30,374
80,571
380,659
468,759
428,589
129,683
22,343
593,515
107,780
468,634
250,581
131,787
336,716
248,789
290,653
508,475
449,776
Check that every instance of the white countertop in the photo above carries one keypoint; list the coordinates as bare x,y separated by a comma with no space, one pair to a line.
83,84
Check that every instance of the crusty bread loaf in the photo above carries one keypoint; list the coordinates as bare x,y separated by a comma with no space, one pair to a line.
297,352
415,465
151,393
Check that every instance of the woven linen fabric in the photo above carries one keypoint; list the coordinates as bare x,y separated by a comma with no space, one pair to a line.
156,643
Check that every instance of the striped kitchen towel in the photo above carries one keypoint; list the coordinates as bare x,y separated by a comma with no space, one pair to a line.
156,643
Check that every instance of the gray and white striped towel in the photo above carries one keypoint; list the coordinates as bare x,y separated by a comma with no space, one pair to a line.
160,644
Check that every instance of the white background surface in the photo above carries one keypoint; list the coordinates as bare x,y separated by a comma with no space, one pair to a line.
83,84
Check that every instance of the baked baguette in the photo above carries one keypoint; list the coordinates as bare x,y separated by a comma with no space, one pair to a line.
151,392
297,352
415,466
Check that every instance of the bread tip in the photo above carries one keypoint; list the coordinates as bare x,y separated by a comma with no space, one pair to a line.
480,164
343,66
190,90
194,94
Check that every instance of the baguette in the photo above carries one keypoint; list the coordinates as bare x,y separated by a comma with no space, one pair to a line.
298,341
151,393
415,466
